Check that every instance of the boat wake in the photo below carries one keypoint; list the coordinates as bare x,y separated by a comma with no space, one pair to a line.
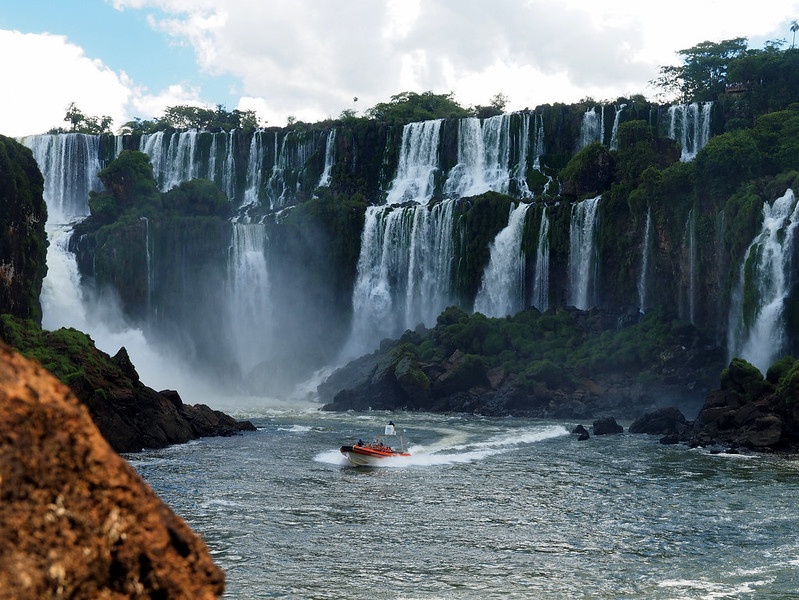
462,452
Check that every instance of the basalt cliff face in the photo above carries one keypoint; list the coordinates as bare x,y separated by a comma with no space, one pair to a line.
23,243
76,519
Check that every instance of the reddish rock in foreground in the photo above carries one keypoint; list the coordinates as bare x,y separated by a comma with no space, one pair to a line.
77,521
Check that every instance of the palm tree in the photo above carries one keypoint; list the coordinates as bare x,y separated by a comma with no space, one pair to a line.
794,29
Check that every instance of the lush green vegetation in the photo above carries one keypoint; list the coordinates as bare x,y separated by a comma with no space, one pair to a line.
131,193
23,242
550,348
410,106
66,353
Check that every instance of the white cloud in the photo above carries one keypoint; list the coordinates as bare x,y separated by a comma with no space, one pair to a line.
310,57
45,75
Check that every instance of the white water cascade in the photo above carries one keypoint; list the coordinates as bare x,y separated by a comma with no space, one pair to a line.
689,125
330,144
483,155
418,163
644,273
69,164
502,290
614,135
255,169
592,128
248,305
757,328
404,272
582,254
541,282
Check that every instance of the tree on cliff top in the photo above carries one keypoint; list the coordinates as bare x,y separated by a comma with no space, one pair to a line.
409,107
83,123
703,74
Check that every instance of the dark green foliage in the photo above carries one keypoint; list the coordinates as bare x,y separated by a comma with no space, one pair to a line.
195,117
82,123
198,197
551,348
409,107
768,81
478,220
727,161
703,74
638,149
129,180
23,242
745,379
779,369
589,172
64,352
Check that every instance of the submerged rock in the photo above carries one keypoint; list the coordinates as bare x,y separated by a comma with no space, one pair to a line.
76,520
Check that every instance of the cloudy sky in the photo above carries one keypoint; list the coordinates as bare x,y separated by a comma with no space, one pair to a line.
311,58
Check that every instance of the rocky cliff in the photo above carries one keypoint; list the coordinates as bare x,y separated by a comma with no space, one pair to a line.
77,521
130,415
23,243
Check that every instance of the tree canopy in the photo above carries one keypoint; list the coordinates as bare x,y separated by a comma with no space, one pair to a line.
194,117
83,123
703,74
408,107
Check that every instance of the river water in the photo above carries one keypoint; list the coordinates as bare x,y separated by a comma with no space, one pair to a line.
485,508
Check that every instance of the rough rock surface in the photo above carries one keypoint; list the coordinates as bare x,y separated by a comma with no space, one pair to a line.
750,412
76,519
663,421
607,426
23,242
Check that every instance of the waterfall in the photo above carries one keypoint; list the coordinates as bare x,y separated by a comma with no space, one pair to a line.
614,135
502,289
592,127
173,157
248,304
418,163
539,142
582,253
148,262
69,164
689,125
483,157
255,168
643,274
541,282
689,248
324,180
404,272
521,147
756,326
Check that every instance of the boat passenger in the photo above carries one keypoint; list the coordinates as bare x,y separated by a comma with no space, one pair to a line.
390,428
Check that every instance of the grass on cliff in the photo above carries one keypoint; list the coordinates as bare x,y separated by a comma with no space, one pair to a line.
66,353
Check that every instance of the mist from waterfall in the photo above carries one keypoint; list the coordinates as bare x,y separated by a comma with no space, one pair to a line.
757,327
502,291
